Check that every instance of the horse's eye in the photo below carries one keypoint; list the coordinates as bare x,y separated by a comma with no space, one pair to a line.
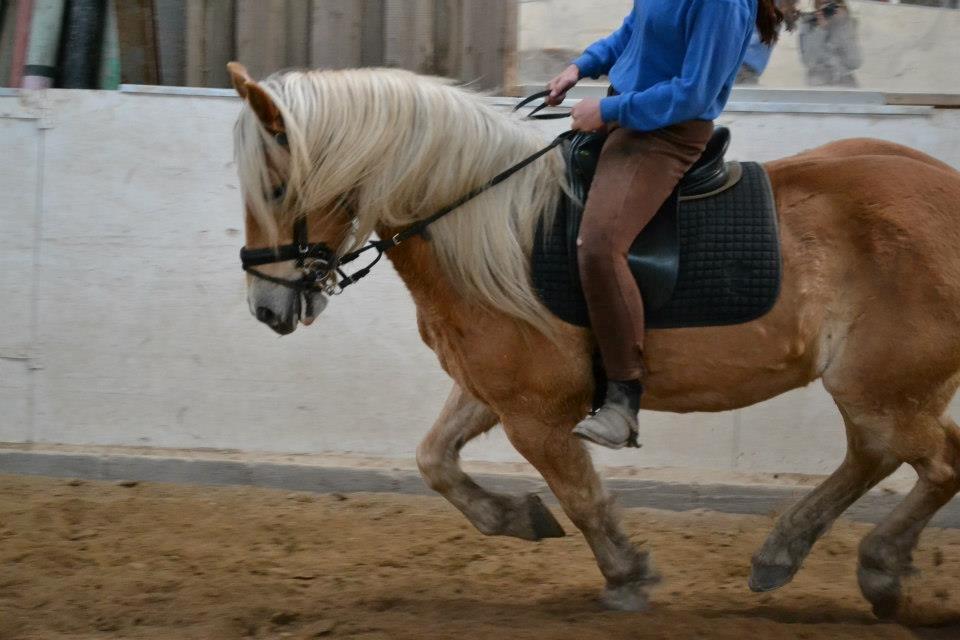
279,192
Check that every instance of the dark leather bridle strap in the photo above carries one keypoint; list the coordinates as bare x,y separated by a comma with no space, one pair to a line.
319,260
535,114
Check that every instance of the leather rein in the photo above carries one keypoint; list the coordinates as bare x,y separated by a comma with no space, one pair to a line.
317,262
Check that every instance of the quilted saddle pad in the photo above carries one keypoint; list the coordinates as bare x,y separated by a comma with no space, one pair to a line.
727,257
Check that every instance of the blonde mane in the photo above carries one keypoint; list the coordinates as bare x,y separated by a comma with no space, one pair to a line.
395,147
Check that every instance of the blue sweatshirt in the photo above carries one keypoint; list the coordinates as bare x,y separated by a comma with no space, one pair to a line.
672,60
758,54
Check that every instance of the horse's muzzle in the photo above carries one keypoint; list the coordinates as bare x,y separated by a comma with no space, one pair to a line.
282,325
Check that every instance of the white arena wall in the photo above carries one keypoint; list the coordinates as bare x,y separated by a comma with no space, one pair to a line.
124,320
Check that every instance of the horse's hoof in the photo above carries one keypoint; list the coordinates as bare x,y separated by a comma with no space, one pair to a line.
882,590
628,597
544,524
768,577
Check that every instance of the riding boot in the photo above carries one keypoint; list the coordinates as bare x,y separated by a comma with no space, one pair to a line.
615,424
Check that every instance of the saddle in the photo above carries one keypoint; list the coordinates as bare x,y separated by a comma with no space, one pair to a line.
710,256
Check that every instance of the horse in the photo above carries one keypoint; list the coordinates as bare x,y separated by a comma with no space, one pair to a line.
869,304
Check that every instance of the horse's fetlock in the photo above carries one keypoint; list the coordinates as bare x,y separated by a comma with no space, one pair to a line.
879,554
637,570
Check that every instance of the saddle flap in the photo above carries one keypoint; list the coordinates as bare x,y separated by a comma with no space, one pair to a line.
654,257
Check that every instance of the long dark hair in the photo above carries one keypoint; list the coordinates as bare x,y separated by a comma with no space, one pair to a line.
769,18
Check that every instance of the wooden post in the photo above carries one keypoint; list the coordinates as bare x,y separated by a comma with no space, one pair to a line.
210,42
489,45
8,12
138,45
372,48
408,34
298,33
448,37
172,40
261,35
337,35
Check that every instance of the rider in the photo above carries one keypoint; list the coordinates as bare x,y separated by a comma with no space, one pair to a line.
671,66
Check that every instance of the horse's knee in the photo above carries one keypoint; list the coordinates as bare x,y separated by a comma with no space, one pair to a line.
433,464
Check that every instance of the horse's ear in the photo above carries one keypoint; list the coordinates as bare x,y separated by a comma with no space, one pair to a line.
262,104
239,76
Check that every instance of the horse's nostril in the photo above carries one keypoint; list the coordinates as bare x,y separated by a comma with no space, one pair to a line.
266,316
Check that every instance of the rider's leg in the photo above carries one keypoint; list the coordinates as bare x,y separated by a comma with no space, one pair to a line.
637,173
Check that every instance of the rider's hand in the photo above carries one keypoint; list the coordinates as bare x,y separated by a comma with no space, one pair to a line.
561,84
586,115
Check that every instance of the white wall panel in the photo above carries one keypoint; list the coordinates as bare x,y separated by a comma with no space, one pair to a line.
143,336
19,181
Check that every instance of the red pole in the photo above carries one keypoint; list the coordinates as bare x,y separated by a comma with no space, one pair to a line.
21,38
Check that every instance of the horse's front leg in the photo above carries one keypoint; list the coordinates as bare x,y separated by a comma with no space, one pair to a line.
438,456
565,464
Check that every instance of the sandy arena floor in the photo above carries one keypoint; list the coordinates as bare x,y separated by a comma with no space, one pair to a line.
94,560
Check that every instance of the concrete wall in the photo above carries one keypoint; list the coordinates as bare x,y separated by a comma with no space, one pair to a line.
905,48
125,322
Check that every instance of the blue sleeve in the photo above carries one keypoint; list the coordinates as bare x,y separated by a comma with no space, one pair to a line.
600,56
708,64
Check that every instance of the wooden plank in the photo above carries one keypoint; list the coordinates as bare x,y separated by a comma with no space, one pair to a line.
489,45
171,18
298,33
138,46
210,42
336,38
448,37
372,46
945,100
8,23
408,34
261,35
110,73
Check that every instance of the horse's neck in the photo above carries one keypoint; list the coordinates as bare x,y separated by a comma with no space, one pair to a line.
418,268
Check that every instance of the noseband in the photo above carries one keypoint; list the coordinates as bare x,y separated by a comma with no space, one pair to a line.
317,262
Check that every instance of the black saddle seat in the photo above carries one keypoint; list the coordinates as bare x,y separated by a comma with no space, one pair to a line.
708,174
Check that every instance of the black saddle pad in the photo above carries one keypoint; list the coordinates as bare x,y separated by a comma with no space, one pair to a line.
729,260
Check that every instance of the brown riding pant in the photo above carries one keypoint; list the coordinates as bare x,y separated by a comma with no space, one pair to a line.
637,173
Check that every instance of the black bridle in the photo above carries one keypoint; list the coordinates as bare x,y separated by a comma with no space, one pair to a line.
317,262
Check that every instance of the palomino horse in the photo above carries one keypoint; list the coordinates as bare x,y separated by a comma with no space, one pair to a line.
870,304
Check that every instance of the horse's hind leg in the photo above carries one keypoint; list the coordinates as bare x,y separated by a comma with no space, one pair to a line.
438,456
785,549
565,464
931,444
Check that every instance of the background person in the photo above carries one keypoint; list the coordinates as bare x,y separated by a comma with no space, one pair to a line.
830,45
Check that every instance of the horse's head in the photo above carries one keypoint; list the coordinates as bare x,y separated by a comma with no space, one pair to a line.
328,159
285,285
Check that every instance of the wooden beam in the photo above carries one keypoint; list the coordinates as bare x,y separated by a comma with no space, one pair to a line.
139,63
408,35
336,38
172,41
210,42
261,35
298,33
489,45
372,47
943,100
448,37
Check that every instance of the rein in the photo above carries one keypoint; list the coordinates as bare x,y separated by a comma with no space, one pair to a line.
317,261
